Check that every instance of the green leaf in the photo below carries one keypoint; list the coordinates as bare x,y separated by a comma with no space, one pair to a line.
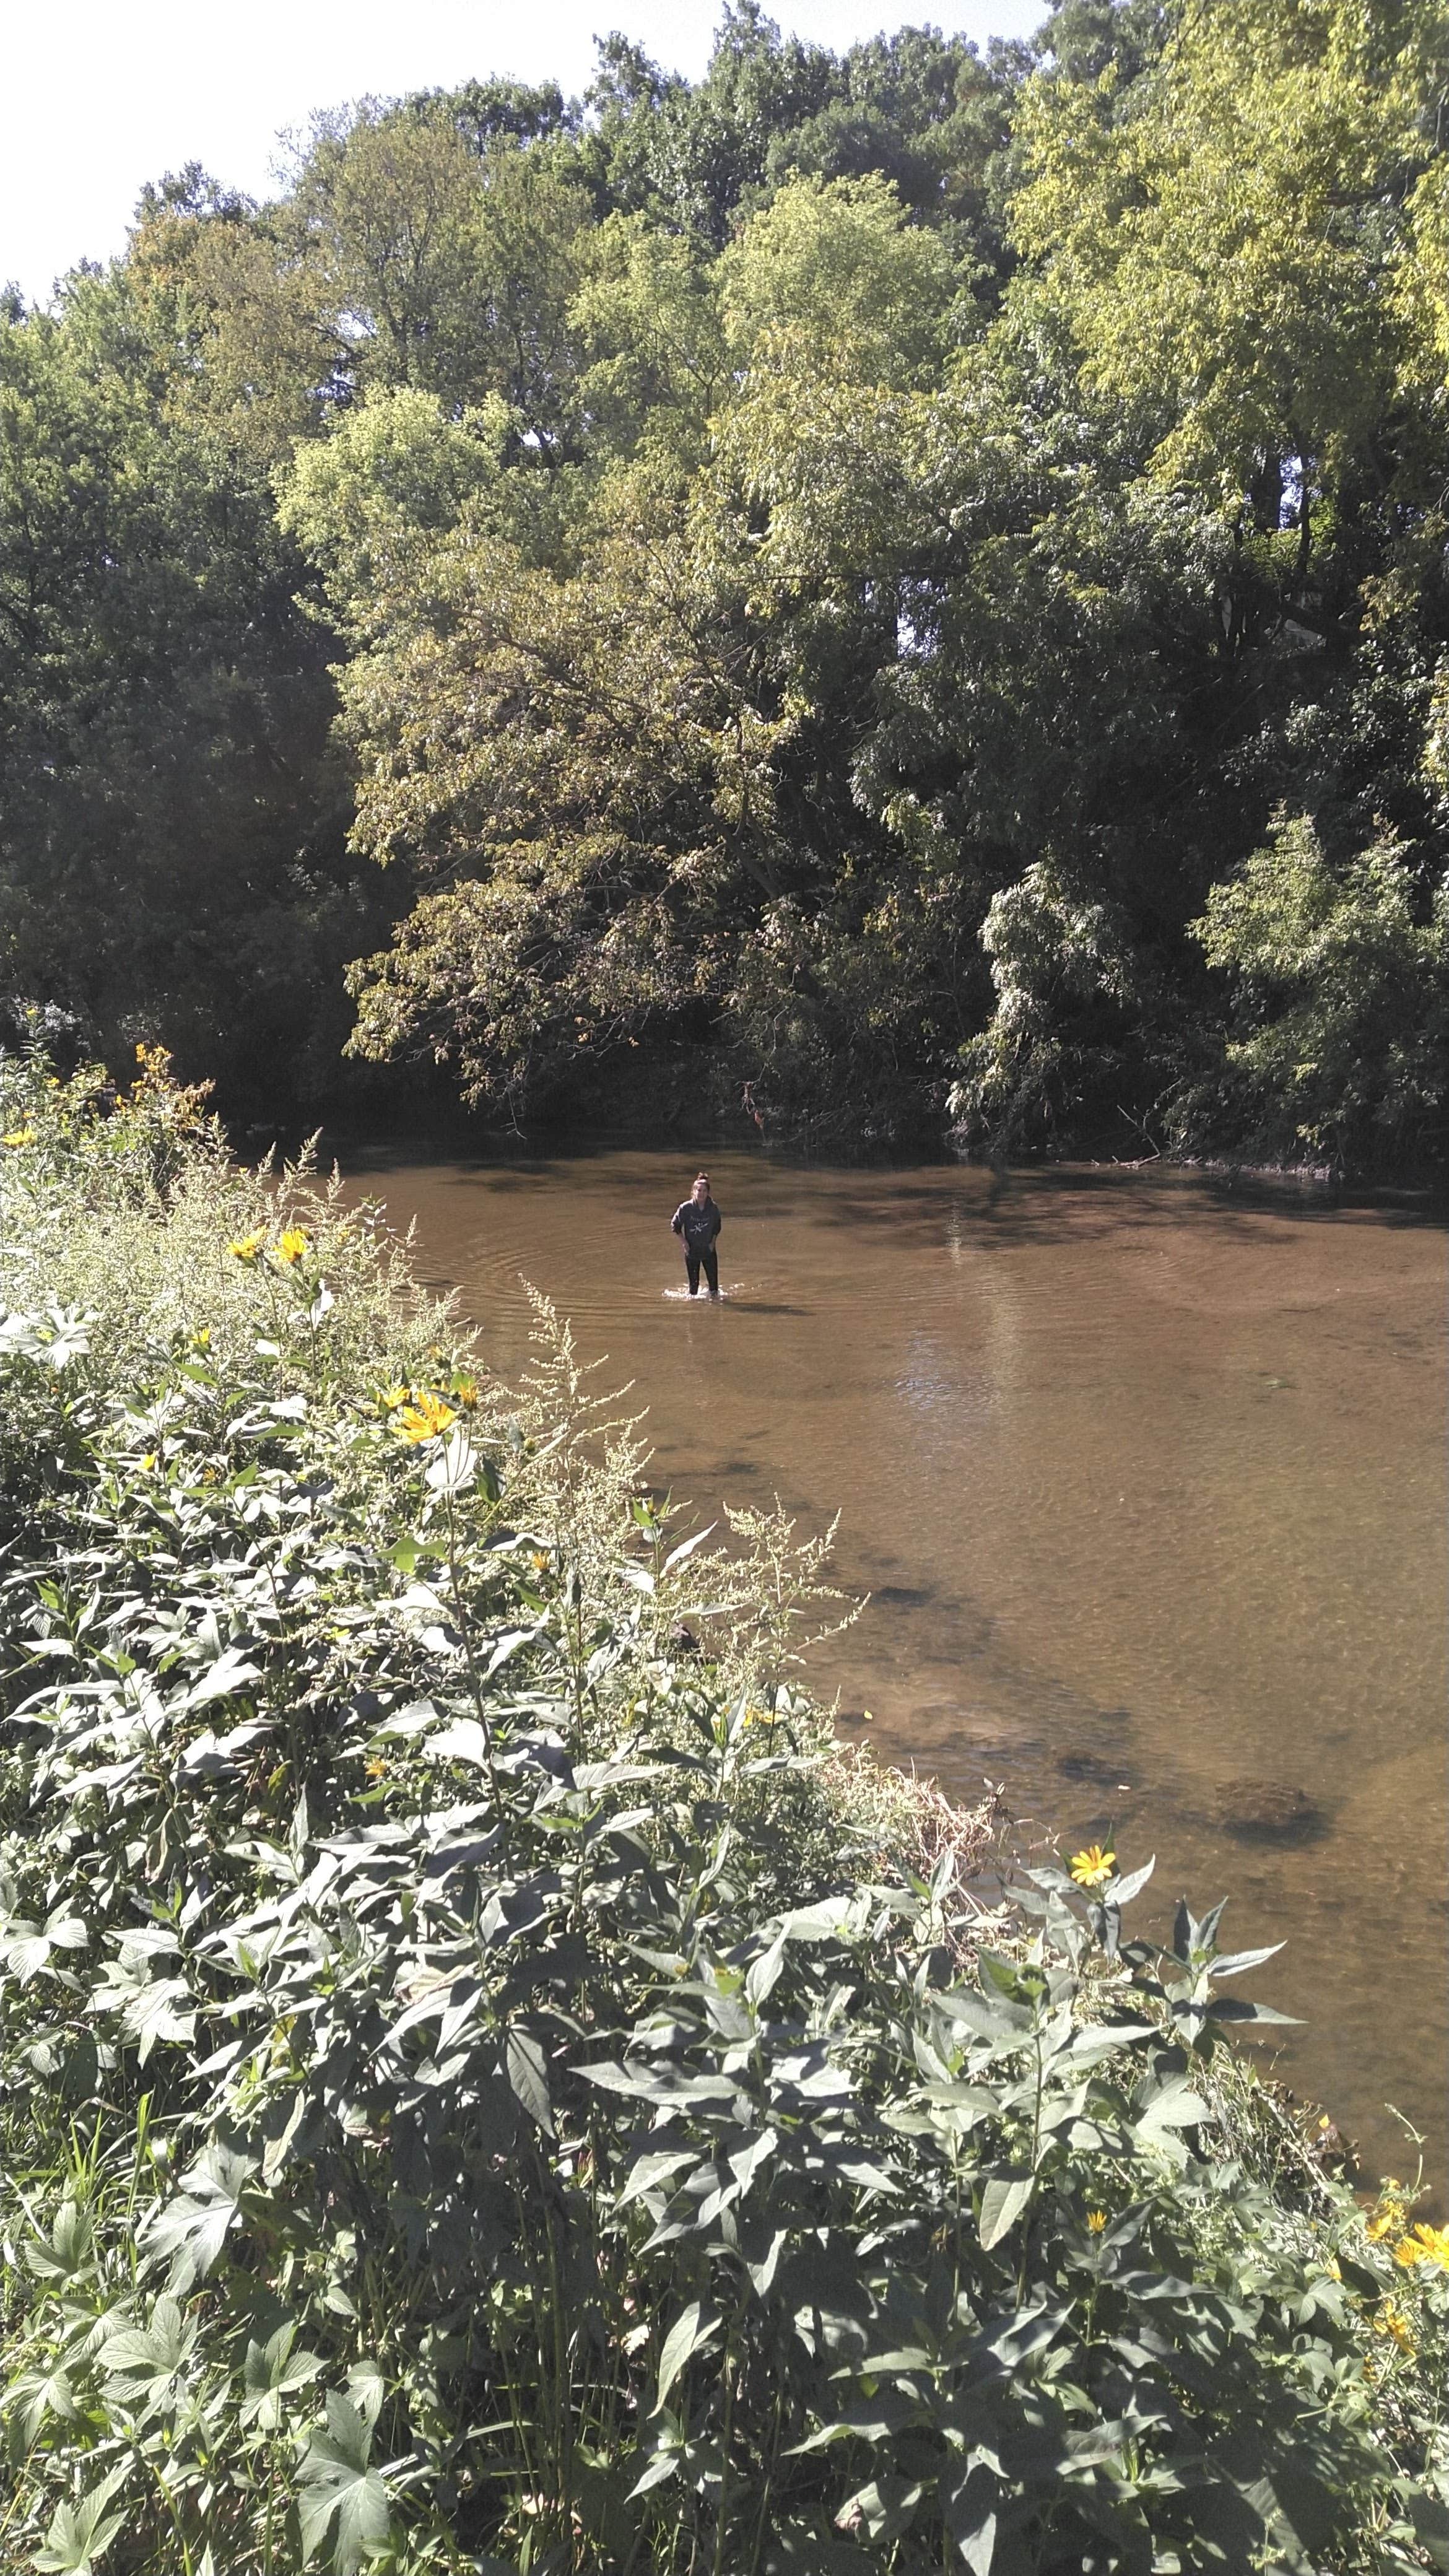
271,2373
1231,2008
1122,1890
528,2075
1002,2204
78,2534
680,1555
1238,1962
38,2393
231,1672
689,2332
969,2509
882,2510
342,2497
652,2170
192,2228
661,2464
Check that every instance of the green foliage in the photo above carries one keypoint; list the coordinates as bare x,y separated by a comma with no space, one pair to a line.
170,850
1065,977
1218,238
483,2092
770,527
830,278
1340,997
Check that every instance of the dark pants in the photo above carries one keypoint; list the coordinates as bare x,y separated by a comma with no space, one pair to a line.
706,1259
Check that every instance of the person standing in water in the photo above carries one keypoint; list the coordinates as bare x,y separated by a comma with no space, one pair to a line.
697,1222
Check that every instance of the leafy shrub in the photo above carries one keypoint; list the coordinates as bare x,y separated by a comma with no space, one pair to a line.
488,2088
1340,999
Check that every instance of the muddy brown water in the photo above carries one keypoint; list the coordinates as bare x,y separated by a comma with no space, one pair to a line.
1146,1479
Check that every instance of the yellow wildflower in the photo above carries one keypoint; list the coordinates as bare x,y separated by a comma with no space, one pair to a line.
19,1136
148,1462
1425,2245
247,1246
465,1394
292,1247
376,1770
393,1396
1389,2320
426,1418
1096,2221
1093,1867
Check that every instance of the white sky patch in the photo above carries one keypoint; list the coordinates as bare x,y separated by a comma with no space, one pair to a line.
98,97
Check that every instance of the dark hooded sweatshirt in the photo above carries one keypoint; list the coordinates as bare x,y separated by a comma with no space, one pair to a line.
698,1223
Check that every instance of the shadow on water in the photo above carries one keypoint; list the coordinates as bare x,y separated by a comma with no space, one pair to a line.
1144,1471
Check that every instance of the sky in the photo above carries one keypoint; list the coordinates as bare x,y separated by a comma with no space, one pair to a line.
97,97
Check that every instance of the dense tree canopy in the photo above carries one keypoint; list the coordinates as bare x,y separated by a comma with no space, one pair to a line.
908,585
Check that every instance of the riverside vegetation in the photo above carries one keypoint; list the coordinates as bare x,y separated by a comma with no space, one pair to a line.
899,590
488,2085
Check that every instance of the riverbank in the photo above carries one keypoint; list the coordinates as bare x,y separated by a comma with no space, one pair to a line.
488,2082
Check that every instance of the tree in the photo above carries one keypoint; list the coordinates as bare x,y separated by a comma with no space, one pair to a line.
1339,999
171,854
1219,236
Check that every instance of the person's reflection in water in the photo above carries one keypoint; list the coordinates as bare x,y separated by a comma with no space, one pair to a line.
697,1222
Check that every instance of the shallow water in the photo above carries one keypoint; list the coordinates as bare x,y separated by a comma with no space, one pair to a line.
1146,1479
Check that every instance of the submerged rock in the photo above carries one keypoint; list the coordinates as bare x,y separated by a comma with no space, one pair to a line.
1267,1811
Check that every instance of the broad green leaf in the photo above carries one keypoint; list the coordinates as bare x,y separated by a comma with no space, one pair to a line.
970,2515
528,2075
272,2373
192,2227
343,2499
1003,2202
690,2331
232,1671
681,1554
882,2510
79,2534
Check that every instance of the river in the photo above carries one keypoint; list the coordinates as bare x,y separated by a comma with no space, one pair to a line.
1146,1479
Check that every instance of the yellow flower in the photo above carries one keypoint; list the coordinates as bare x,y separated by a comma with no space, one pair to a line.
247,1246
376,1770
292,1247
465,1391
148,1462
392,1396
426,1418
1426,2245
1389,2320
1096,2221
1093,1867
19,1136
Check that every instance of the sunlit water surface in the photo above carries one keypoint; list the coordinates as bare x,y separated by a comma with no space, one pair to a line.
1147,1482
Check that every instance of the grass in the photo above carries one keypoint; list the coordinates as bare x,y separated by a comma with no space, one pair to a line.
483,2091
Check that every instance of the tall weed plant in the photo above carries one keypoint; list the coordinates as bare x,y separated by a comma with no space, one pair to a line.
485,2085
